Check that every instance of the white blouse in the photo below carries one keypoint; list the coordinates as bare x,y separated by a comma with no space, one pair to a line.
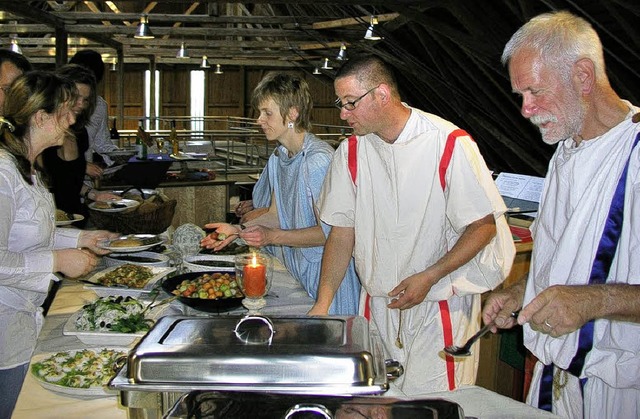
28,237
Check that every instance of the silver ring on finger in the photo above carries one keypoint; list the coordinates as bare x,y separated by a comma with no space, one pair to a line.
546,323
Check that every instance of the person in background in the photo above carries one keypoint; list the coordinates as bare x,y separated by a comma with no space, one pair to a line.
66,165
295,172
427,236
98,124
37,115
581,302
12,65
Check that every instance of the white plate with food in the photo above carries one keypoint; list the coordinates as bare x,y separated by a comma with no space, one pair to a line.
127,279
78,373
65,219
113,320
131,243
117,205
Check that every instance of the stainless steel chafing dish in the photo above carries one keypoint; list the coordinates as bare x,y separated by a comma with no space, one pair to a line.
285,355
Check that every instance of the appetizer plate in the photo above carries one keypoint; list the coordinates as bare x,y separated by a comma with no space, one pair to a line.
103,291
146,241
93,391
115,206
76,218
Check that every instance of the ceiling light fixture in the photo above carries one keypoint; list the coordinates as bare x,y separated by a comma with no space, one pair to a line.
342,54
326,65
371,34
205,62
316,71
14,46
143,31
218,70
182,52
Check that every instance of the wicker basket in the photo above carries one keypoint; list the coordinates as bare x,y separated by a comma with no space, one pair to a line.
147,218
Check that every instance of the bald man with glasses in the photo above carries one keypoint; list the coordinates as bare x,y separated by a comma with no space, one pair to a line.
411,198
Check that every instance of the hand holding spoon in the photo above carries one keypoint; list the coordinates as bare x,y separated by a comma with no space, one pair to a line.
464,350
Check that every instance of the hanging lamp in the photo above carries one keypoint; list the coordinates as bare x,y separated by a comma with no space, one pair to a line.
143,31
182,52
371,34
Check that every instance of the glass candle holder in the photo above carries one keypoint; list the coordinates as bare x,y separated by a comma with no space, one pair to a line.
253,273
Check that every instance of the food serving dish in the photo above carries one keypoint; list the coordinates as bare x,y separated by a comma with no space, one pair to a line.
218,404
103,291
76,218
287,355
113,320
131,243
65,372
137,258
204,263
218,305
118,205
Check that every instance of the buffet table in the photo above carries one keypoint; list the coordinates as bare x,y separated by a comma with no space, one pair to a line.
285,297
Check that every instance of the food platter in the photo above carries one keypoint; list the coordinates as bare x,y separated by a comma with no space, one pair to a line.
102,290
46,376
98,338
76,218
114,206
131,243
119,313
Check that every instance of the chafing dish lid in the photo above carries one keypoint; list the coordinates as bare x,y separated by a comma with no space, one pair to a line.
278,353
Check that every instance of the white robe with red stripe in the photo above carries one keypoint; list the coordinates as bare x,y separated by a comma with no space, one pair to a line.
403,223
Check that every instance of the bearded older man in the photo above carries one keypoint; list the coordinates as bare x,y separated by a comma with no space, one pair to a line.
581,303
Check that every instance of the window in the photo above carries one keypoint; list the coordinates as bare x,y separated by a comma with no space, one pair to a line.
197,102
147,101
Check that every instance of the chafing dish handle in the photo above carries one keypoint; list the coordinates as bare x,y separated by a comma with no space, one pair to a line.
245,335
394,369
310,407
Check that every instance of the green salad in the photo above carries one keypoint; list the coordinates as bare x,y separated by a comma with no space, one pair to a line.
114,314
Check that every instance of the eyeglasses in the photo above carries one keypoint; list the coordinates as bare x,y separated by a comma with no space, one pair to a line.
350,106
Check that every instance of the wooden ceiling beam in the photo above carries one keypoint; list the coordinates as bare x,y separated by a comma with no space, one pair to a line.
197,18
339,23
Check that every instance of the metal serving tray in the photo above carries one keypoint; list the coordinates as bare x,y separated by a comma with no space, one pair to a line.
216,405
298,355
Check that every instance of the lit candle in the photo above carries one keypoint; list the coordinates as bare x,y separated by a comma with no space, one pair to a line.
255,278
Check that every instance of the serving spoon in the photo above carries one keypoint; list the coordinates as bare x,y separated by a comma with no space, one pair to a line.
464,350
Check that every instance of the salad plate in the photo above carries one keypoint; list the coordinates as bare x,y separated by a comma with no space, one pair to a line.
112,320
81,373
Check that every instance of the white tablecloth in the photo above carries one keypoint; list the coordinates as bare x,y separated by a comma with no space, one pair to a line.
285,297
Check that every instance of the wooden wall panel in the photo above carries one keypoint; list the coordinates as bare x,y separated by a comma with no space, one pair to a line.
227,94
